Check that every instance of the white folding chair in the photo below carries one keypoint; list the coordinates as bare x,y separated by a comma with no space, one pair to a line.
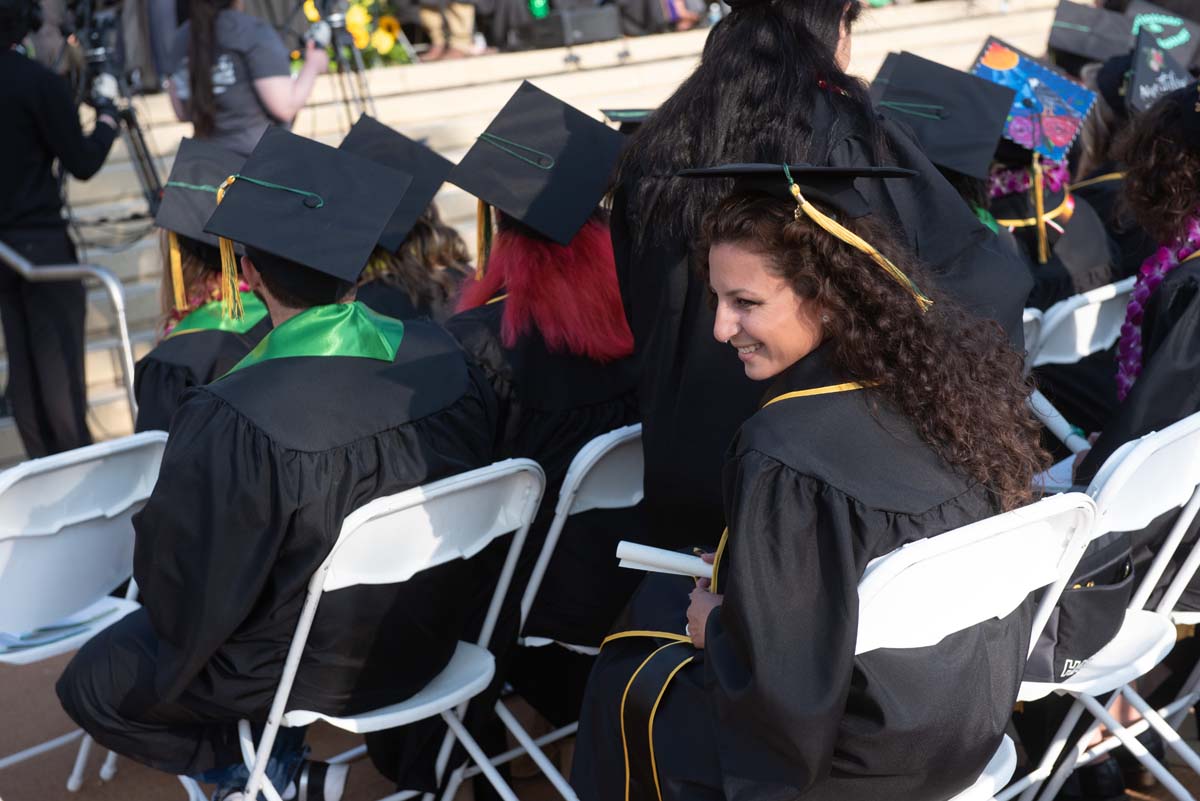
1031,322
66,542
388,541
927,590
1139,482
605,474
1070,330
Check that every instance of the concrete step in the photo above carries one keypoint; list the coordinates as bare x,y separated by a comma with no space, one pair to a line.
102,360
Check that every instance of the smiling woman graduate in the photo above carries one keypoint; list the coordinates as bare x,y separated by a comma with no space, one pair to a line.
864,441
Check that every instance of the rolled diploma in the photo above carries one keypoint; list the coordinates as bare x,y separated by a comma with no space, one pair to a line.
660,560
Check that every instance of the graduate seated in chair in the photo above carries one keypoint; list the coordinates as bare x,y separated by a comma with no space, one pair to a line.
199,343
876,399
417,267
546,324
336,407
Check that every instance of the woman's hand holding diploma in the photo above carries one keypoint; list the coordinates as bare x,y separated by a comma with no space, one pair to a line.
703,602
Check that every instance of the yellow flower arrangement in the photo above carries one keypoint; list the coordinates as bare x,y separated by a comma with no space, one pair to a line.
357,20
310,11
390,24
382,41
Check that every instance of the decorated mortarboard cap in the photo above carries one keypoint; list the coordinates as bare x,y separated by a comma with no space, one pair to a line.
542,162
1092,34
308,204
1155,74
957,118
832,187
1177,34
1048,109
372,139
627,120
883,78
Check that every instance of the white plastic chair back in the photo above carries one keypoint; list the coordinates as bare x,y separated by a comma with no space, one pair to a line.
1148,477
1031,322
66,530
924,591
605,474
1083,324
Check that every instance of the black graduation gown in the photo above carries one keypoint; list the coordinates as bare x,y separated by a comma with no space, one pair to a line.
260,471
777,706
693,396
1167,391
178,363
391,300
1081,258
551,405
1134,245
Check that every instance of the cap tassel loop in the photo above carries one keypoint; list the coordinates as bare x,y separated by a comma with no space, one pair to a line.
177,286
1039,205
855,241
231,296
483,237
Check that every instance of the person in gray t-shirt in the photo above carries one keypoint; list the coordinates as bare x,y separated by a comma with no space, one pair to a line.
230,75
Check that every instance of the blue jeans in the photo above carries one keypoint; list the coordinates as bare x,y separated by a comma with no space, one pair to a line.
287,756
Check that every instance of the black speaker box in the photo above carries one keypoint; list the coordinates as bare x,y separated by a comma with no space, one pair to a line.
572,27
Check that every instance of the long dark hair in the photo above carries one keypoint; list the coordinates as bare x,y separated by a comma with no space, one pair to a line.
202,44
1162,152
954,376
765,70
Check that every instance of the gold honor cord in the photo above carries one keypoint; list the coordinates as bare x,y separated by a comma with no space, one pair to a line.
1099,179
621,711
650,724
176,272
496,299
712,585
853,240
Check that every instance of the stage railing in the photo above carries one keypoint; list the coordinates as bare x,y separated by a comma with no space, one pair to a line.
72,272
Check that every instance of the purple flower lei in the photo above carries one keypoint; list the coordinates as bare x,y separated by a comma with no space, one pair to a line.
1151,274
1006,181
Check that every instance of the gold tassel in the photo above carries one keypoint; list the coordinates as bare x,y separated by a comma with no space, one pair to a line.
483,237
177,286
231,297
1039,205
855,241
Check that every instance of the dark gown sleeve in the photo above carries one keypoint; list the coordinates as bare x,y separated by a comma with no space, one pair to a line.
159,388
780,650
968,262
205,541
1168,389
485,350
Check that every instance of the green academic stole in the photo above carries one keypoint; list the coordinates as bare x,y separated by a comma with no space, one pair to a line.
339,329
209,317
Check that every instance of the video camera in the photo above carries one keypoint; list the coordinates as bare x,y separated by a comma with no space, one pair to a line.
96,27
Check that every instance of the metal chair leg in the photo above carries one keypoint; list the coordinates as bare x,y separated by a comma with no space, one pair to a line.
75,780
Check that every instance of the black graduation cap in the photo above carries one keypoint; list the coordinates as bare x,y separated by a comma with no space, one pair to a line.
958,118
1093,34
1177,35
542,162
830,186
883,77
627,120
190,194
372,139
309,203
1155,73
1112,82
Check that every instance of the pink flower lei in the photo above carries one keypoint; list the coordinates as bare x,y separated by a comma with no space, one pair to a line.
1005,181
1154,269
209,291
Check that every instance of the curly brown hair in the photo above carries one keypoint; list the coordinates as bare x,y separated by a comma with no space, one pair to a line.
430,264
954,376
1162,152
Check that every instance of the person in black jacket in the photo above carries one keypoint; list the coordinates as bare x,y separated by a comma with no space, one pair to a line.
43,322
